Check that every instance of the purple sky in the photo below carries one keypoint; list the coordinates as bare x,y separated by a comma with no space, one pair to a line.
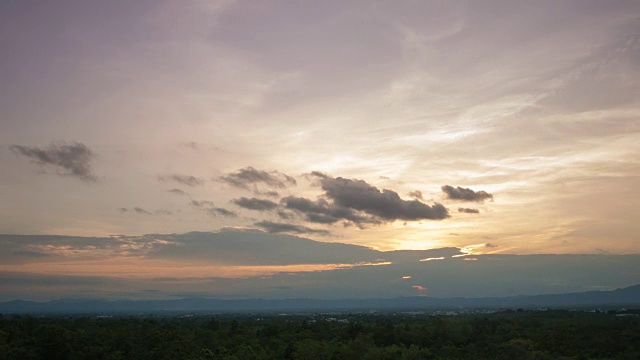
495,127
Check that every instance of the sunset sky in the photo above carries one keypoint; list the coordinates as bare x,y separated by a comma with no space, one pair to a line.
235,130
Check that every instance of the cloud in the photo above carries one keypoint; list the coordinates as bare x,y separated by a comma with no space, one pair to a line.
215,211
321,211
273,227
267,193
178,192
245,177
386,204
69,159
468,211
255,204
34,254
202,203
187,180
465,194
140,210
416,195
211,209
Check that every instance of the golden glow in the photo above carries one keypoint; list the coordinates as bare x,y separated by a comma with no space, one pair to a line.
433,258
145,268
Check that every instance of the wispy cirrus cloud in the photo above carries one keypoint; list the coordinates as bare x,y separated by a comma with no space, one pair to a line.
73,159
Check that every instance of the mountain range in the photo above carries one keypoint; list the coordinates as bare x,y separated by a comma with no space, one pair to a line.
629,296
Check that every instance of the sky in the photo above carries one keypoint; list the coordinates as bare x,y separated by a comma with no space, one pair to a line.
295,148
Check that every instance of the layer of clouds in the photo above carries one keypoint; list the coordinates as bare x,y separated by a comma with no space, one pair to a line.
349,276
249,176
273,227
466,194
73,159
255,204
468,211
187,180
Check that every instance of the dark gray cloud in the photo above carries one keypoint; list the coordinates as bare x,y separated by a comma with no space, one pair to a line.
273,227
178,192
385,205
465,194
215,211
187,180
68,159
285,215
416,195
123,209
321,211
468,211
255,204
246,177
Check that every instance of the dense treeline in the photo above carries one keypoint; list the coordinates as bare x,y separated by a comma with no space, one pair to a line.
514,335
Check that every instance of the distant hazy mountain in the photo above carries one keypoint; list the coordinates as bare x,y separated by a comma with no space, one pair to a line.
629,296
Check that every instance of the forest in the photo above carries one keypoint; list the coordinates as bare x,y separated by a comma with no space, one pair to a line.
540,335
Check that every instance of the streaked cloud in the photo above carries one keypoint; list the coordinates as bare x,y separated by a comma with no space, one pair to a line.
74,159
273,227
255,203
221,211
178,192
140,210
210,208
188,180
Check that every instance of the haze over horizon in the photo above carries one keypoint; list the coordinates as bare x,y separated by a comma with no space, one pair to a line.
284,149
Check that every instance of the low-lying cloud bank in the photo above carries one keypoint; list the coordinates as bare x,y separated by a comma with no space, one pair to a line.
285,266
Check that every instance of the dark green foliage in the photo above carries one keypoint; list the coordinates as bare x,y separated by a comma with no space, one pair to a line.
511,335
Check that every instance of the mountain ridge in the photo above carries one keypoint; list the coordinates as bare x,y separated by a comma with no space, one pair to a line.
628,296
